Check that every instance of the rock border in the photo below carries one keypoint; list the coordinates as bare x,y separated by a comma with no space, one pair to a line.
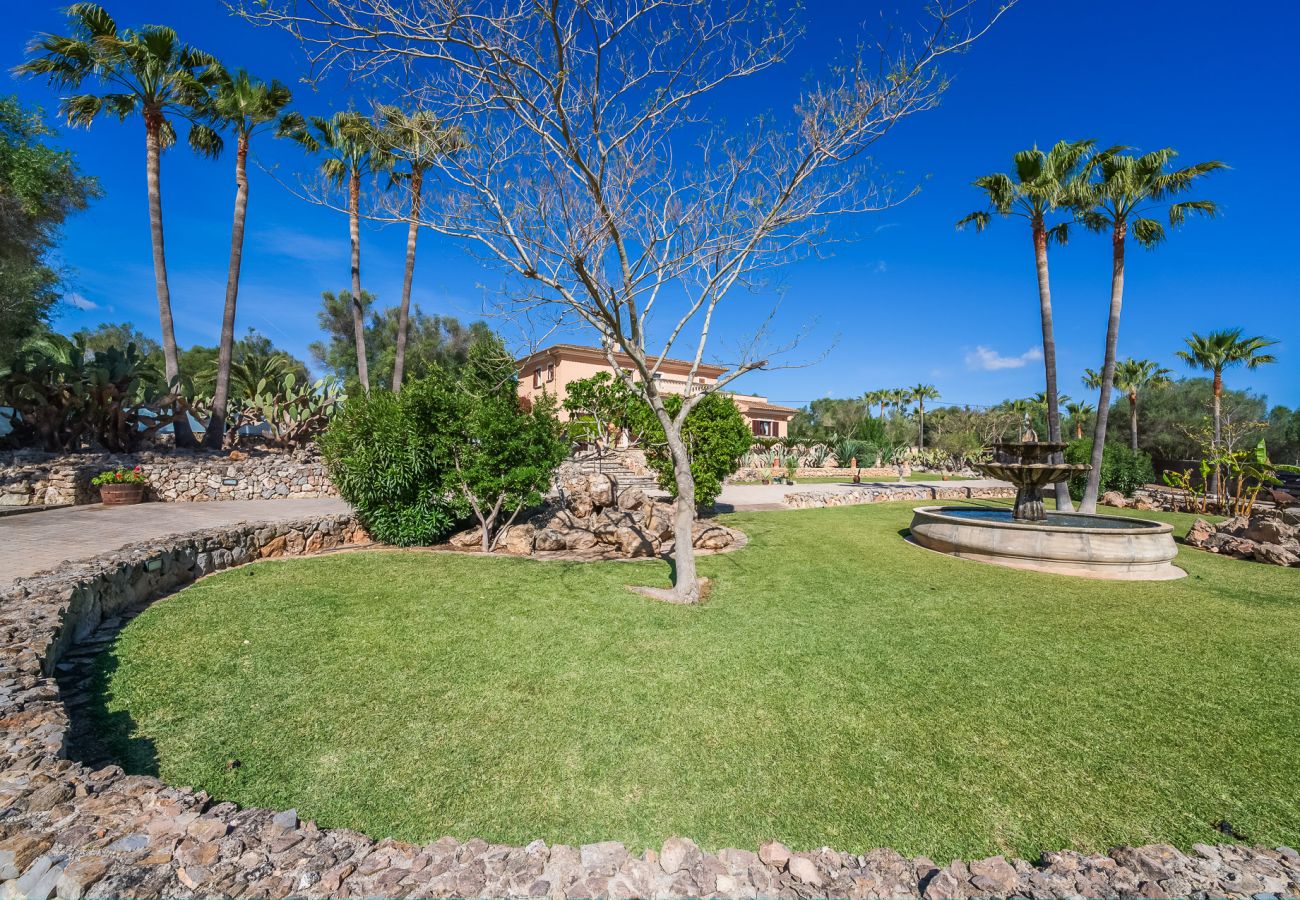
71,832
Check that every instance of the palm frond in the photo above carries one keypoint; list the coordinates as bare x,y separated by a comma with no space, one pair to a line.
979,219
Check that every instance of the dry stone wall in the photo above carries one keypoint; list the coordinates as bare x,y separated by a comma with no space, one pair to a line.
30,478
69,831
890,493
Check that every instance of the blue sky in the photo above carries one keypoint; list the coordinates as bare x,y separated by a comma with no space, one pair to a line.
910,300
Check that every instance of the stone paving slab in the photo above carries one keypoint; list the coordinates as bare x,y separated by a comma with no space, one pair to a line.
36,542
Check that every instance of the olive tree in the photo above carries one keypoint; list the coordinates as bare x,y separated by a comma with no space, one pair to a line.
593,175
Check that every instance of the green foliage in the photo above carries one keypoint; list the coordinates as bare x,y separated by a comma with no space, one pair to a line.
1122,469
716,438
120,475
441,341
1283,435
40,186
417,463
1171,413
601,404
289,413
504,456
65,398
387,456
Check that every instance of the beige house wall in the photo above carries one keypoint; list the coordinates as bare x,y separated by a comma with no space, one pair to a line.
549,372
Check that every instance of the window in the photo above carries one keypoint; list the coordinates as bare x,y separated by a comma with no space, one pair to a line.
537,377
550,373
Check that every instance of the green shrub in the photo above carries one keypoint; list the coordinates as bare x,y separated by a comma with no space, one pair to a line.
716,437
1122,469
388,457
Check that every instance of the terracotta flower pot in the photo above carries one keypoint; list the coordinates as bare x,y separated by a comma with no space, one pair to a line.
121,494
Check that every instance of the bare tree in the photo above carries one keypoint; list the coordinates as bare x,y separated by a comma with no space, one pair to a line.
593,174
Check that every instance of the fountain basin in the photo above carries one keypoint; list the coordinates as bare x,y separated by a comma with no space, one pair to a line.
1089,546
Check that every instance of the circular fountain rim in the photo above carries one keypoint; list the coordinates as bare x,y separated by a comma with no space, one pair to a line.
1139,526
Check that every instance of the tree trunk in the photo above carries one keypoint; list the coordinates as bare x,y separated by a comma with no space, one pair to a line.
1078,431
1089,504
153,122
358,313
1218,428
920,425
1133,420
403,313
686,581
1062,488
216,433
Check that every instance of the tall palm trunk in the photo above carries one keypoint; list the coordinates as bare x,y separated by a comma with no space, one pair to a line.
358,317
153,122
1133,420
1218,427
412,232
921,421
1063,501
1078,430
882,410
1089,504
221,395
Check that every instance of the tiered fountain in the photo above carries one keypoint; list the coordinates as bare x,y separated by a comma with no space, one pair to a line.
1028,536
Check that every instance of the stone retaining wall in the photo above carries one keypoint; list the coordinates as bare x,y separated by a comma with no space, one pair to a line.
71,832
890,493
32,478
757,473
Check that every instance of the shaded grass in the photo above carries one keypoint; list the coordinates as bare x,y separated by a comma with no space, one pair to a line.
841,687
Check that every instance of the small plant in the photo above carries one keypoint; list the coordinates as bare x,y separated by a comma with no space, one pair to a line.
120,475
791,467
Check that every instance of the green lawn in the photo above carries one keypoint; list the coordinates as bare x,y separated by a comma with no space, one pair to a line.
840,687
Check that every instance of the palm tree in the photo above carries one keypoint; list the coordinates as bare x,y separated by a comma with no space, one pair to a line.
418,139
146,71
921,393
898,398
1221,350
1091,379
245,105
1079,413
877,398
1043,183
351,145
1135,375
1126,189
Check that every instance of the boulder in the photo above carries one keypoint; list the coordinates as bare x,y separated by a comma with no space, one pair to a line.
1235,526
1144,505
1276,555
518,539
601,488
658,521
549,539
633,542
707,536
631,498
580,504
1200,533
1266,531
1113,498
579,539
1291,516
471,539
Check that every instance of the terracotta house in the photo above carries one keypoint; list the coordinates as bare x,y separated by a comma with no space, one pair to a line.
549,371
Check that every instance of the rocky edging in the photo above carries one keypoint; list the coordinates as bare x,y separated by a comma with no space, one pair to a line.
1267,539
889,493
32,478
71,832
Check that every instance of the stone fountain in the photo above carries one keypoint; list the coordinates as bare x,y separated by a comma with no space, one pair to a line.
1029,536
1026,464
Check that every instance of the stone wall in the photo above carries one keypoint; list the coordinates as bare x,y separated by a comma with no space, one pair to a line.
32,478
757,473
69,831
888,493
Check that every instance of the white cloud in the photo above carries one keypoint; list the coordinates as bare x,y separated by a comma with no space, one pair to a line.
881,267
985,359
80,302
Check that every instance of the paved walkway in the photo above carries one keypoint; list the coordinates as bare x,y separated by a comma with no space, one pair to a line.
35,542
738,497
